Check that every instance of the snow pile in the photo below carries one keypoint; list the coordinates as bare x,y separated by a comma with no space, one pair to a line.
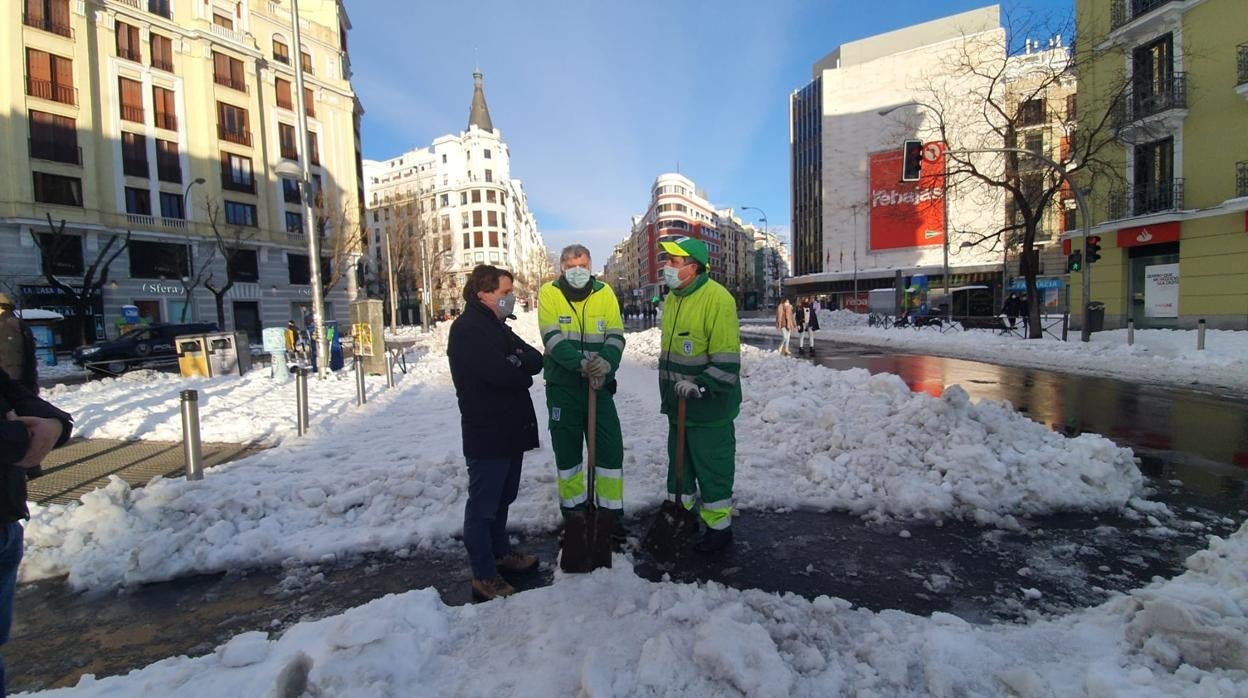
1158,356
612,633
390,475
841,319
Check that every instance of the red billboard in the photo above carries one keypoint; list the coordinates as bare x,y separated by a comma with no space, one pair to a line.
907,214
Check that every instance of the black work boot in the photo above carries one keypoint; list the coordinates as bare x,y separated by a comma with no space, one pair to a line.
714,542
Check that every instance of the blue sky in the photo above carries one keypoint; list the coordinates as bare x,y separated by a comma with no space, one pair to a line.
597,97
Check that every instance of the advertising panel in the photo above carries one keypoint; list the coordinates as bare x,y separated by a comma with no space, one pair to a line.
906,214
1161,290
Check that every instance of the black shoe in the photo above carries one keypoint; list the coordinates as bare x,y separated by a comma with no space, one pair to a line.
714,542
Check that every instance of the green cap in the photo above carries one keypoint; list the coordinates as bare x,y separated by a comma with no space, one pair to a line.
687,247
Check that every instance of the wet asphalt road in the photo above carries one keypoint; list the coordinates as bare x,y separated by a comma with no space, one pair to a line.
1052,565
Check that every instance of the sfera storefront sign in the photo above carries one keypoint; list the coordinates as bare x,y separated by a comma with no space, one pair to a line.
906,214
164,289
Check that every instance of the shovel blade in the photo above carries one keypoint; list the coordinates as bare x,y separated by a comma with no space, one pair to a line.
600,539
586,541
672,532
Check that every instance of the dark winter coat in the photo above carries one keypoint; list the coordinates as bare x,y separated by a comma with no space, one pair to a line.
492,369
14,440
807,316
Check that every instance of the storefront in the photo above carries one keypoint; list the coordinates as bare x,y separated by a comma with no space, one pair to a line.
1152,274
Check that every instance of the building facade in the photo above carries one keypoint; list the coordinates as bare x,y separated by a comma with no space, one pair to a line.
1174,227
460,196
156,119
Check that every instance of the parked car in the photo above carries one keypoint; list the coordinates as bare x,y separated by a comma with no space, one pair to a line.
144,346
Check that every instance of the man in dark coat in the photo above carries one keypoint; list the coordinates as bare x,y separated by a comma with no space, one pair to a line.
29,429
492,369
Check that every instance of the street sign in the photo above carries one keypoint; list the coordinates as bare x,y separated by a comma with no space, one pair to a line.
932,151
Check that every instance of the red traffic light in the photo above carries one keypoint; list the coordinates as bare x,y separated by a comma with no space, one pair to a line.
911,160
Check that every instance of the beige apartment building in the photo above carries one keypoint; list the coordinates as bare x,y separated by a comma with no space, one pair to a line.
152,118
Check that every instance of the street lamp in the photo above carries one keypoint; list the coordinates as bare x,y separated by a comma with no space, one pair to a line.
186,196
763,217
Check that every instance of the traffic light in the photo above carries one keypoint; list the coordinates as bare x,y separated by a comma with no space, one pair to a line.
1074,262
911,161
1094,248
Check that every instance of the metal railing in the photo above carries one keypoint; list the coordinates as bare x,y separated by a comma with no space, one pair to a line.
1157,197
242,137
229,182
1242,63
167,121
46,89
130,54
1147,98
1241,178
227,81
47,24
131,113
162,64
1124,11
43,149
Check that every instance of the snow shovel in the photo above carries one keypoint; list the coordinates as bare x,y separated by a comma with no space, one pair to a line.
587,534
675,526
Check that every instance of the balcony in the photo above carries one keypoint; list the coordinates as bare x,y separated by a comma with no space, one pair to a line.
1147,99
230,183
46,89
140,220
229,34
131,113
167,121
227,81
1144,200
1241,80
53,151
1122,12
130,54
162,64
241,137
1241,178
48,25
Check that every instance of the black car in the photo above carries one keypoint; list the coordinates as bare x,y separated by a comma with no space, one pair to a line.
145,346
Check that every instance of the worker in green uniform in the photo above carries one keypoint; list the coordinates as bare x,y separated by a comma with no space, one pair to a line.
583,334
700,360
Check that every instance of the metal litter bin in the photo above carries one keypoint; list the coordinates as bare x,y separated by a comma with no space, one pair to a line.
1096,316
192,355
229,353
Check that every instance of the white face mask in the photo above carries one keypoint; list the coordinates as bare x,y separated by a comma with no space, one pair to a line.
577,276
671,277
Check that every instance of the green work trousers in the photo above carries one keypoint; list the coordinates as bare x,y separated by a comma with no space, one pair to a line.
710,467
568,408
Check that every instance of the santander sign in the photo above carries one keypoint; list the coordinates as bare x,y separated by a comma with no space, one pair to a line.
905,214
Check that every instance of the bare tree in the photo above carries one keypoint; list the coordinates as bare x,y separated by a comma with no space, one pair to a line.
94,277
341,235
419,250
229,244
1012,103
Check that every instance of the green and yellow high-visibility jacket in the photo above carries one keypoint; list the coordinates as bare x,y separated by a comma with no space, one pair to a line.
576,331
701,341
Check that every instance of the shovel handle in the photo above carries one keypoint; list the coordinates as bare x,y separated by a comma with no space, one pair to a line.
681,407
591,442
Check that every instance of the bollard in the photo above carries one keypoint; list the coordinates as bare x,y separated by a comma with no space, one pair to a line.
301,400
190,435
1200,334
389,371
360,397
1130,331
1065,325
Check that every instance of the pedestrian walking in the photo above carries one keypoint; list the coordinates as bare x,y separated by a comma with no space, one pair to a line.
1012,308
807,325
17,346
700,363
583,333
492,370
786,322
29,429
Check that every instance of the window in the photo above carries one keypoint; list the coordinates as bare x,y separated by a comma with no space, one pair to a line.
228,71
477,239
463,198
1031,112
128,42
50,76
232,124
138,201
489,175
464,221
492,218
236,174
243,266
1155,184
299,271
158,260
159,7
283,93
162,52
493,238
305,60
54,138
290,192
168,165
171,206
61,253
281,52
131,92
467,241
476,196
286,141
443,158
166,112
237,213
48,15
446,225
487,153
1071,110
294,222
476,218
133,154
446,200
309,102
222,20
491,196
314,152
55,189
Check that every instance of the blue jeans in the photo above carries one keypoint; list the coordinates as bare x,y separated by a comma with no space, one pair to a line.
492,487
10,555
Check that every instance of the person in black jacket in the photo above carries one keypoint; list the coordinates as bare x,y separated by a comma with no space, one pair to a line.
492,369
29,429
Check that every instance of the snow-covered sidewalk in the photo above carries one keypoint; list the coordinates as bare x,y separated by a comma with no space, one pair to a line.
1167,357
